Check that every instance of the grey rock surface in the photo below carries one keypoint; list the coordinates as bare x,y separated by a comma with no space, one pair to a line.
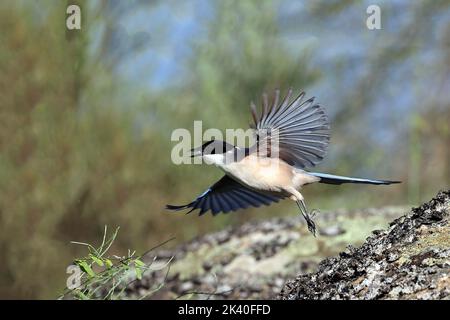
386,253
254,261
409,260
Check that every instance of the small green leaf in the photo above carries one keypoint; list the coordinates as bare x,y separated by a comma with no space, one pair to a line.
85,267
139,268
108,263
139,263
138,271
97,260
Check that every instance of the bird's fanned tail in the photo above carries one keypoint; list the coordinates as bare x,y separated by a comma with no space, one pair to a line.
333,179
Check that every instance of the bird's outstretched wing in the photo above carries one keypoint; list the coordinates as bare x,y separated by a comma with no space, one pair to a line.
296,131
224,196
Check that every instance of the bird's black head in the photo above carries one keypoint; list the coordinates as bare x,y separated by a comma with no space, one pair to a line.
212,147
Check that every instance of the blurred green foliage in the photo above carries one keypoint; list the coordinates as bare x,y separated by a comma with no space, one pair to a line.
101,276
81,148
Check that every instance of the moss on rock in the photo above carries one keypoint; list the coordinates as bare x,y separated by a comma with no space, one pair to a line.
409,260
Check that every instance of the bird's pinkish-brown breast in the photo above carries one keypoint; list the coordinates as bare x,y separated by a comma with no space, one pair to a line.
269,174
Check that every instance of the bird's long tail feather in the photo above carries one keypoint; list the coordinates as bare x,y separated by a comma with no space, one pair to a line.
333,179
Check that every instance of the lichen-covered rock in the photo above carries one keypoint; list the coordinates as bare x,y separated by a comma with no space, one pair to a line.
409,260
254,260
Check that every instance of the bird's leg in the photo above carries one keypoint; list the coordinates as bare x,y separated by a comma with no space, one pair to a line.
308,218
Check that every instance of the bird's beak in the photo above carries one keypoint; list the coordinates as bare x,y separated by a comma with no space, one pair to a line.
195,152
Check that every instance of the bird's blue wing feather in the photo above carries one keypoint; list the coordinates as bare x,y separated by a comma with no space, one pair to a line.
224,196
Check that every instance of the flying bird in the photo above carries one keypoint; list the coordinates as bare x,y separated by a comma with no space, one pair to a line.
291,135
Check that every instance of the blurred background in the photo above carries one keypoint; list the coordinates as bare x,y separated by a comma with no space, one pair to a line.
86,115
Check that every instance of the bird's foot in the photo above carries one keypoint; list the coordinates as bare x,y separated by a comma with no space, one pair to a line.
308,216
310,222
311,225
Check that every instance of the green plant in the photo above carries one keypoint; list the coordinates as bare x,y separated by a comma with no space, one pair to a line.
106,277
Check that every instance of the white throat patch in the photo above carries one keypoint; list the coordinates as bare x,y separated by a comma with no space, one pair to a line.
220,160
216,159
